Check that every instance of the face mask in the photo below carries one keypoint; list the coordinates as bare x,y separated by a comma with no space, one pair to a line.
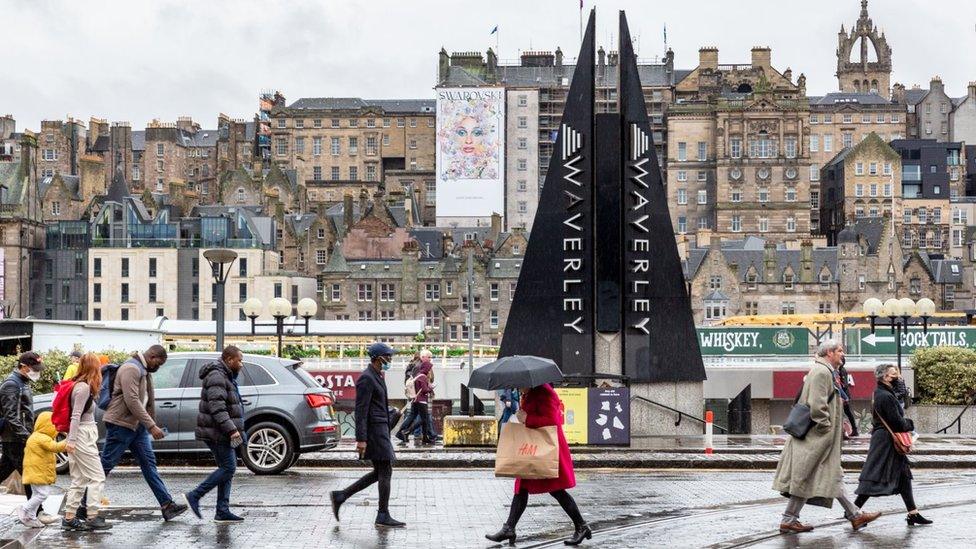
34,376
387,362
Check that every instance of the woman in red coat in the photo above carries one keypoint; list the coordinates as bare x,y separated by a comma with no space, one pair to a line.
542,408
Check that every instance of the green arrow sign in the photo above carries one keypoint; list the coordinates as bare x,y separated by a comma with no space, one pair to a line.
753,341
882,341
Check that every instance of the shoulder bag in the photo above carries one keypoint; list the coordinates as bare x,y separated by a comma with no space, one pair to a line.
799,422
901,441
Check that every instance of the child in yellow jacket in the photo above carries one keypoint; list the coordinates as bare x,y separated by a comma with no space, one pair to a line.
40,467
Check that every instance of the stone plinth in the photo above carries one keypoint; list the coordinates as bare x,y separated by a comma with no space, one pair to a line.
470,431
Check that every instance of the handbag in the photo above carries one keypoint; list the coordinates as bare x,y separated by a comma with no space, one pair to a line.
901,441
799,422
527,453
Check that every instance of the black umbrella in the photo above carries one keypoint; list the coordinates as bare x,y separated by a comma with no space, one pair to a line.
516,371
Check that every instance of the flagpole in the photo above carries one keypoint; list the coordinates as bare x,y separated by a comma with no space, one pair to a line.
581,21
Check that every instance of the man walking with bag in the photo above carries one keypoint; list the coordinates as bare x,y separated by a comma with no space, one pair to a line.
373,435
129,422
809,469
220,424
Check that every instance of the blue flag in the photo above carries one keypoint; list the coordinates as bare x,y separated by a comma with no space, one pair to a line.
493,31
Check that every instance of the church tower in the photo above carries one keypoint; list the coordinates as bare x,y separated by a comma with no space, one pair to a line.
857,70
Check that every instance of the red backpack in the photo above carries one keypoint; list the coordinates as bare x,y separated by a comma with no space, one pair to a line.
61,407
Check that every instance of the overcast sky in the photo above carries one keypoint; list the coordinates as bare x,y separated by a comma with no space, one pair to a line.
139,60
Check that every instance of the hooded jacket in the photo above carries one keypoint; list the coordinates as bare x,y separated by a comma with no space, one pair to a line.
220,411
40,464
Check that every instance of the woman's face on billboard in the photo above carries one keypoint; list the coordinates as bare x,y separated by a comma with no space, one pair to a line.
470,136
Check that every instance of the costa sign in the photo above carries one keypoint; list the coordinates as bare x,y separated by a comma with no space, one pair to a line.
342,383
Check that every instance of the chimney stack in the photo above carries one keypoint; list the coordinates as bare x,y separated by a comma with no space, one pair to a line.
347,216
761,57
708,58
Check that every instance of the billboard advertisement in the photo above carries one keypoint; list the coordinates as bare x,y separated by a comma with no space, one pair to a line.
574,414
470,152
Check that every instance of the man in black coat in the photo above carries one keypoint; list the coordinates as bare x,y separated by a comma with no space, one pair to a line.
17,414
373,435
220,424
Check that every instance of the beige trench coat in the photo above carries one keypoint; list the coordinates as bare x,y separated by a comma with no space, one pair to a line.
810,467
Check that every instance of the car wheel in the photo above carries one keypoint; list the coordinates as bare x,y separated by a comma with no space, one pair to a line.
61,459
269,449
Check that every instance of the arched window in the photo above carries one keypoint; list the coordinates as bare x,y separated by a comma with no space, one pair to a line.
744,88
857,86
874,86
240,194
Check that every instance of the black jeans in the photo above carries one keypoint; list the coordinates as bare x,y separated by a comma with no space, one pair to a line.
566,501
382,473
13,460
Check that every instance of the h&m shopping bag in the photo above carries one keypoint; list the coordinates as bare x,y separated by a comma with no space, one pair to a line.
527,453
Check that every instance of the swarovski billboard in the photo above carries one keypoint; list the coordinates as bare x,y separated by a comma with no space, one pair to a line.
470,152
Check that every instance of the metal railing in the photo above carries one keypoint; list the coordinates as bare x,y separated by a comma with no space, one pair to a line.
681,414
958,421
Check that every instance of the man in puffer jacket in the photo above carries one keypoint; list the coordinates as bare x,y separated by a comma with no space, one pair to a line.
220,424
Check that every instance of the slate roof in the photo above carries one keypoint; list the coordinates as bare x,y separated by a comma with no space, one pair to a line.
552,76
839,158
915,95
744,258
250,131
430,240
716,295
118,190
72,182
944,271
337,262
12,179
504,268
872,229
394,106
203,138
101,143
299,223
841,98
139,140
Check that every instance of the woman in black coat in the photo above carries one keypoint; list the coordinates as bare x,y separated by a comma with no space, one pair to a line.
886,472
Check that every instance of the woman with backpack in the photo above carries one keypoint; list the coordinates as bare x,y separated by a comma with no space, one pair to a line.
83,459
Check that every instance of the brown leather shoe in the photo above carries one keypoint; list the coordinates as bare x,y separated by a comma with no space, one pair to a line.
862,519
793,527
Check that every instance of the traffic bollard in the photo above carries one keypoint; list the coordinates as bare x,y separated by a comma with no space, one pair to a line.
708,432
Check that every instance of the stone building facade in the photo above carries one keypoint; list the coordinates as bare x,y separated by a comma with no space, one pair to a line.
861,181
929,111
21,229
60,145
842,120
737,148
522,186
341,143
962,119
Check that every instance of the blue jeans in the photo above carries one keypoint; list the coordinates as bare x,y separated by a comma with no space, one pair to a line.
118,439
226,459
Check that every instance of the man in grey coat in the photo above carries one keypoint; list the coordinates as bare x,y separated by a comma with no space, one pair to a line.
809,469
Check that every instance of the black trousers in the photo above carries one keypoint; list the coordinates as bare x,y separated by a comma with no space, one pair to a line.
904,489
13,460
566,501
382,473
850,417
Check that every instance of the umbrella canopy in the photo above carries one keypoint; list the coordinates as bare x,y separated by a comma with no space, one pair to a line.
516,371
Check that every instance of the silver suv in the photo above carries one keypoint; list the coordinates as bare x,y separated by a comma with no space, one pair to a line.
286,412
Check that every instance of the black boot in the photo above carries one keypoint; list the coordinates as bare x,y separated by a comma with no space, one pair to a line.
384,519
337,498
506,533
582,532
917,518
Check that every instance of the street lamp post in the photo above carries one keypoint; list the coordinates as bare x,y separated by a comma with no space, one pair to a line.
220,263
899,313
280,309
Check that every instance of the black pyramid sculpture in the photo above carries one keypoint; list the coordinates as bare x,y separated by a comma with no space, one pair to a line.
602,256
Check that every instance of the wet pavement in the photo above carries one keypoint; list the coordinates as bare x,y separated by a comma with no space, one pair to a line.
455,508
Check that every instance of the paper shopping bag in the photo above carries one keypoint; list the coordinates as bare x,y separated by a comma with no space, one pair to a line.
14,484
527,453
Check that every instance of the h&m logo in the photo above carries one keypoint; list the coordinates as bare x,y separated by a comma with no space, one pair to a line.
528,449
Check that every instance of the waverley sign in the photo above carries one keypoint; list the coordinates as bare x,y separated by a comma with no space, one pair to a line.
882,341
753,341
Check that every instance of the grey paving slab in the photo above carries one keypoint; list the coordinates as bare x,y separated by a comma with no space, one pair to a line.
455,508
